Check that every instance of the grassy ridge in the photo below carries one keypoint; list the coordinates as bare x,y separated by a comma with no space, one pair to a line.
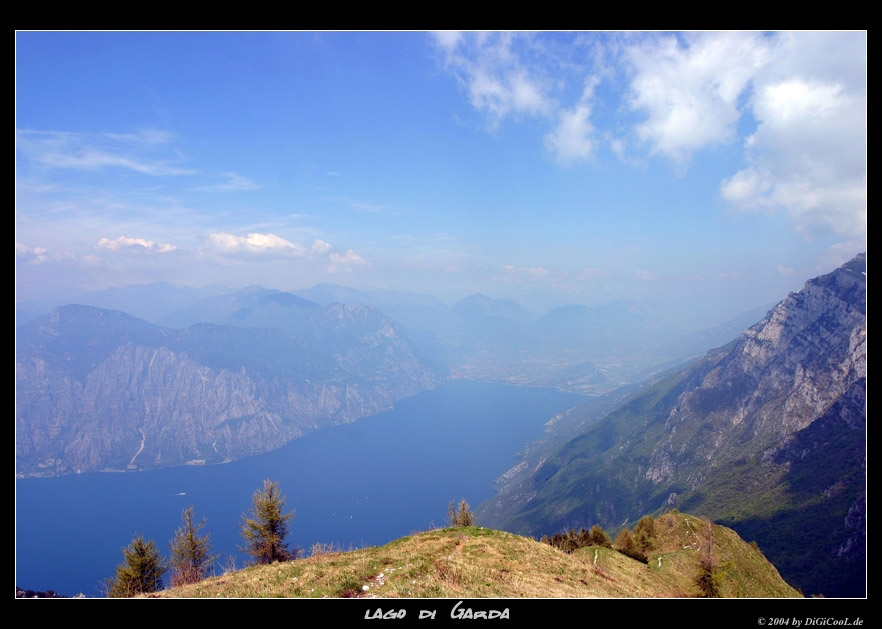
483,563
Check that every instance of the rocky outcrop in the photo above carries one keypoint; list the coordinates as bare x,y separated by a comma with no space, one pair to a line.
779,377
99,390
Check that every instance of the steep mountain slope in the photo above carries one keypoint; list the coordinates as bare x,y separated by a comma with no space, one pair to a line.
477,562
766,434
99,389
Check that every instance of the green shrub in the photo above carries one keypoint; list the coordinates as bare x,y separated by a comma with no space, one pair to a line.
572,540
599,537
626,545
644,533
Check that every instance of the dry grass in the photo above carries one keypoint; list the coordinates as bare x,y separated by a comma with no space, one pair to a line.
482,563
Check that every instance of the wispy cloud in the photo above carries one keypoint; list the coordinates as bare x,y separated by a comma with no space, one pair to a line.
685,93
97,151
686,90
591,273
492,70
366,207
231,183
345,260
320,246
30,255
515,274
40,255
572,140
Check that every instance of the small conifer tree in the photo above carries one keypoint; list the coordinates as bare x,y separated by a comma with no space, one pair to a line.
265,531
191,556
460,515
140,572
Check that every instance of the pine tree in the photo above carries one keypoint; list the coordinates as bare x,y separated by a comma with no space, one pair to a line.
191,556
266,529
140,572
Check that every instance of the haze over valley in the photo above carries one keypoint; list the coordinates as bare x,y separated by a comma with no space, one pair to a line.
575,278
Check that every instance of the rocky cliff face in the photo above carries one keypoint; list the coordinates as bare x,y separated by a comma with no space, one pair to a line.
99,390
780,376
766,435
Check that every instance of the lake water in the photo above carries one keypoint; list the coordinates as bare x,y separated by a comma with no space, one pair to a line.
364,483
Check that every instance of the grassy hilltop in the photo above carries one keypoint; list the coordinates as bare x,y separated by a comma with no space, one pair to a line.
483,563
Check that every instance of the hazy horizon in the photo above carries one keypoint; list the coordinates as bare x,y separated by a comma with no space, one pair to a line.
699,170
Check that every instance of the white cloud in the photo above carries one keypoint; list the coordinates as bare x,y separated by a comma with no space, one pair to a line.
39,255
498,80
511,74
345,260
690,91
805,92
807,156
253,243
647,276
320,251
123,242
30,255
348,257
320,246
448,40
571,140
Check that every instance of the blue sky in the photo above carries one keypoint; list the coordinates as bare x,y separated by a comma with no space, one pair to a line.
713,168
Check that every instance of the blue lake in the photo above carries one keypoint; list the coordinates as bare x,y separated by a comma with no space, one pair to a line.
359,484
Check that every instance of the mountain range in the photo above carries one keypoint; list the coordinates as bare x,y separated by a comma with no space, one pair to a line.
766,434
101,390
